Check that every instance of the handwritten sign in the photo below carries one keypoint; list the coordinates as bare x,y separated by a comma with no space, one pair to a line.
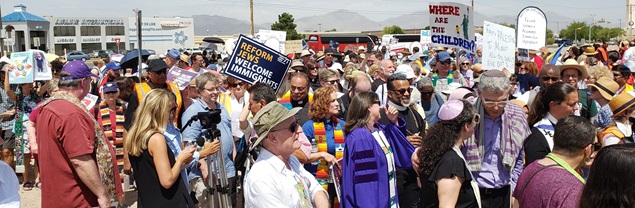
273,39
425,39
253,61
452,26
293,46
182,77
21,68
532,28
498,47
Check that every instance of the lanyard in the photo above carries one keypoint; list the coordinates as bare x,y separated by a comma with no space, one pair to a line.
566,166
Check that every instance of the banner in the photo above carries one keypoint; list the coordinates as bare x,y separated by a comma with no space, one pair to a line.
498,47
532,28
273,39
293,46
21,68
452,26
182,77
41,66
253,61
425,39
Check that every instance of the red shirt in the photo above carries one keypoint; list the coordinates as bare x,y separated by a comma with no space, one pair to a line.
64,131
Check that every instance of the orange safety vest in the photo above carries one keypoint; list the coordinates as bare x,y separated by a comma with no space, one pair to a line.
143,89
612,130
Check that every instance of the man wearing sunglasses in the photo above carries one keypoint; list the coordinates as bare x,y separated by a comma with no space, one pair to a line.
399,91
444,75
549,74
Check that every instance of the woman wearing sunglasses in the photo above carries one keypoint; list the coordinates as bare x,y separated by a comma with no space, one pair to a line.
445,178
551,104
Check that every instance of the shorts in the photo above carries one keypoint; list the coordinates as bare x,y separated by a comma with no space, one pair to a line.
8,138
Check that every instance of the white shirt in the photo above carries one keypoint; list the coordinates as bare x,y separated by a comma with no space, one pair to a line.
9,187
236,109
629,58
270,184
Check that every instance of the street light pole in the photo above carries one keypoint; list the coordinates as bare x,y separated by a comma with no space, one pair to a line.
591,27
1,34
320,27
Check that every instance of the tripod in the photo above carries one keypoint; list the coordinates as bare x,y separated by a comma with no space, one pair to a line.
218,184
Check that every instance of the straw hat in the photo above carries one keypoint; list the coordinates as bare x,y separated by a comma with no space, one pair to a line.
269,117
573,64
622,102
590,51
406,51
606,86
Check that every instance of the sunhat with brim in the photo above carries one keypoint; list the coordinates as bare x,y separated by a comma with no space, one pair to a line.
590,51
622,102
606,86
269,117
573,64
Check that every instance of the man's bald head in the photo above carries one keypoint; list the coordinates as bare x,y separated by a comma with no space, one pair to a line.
387,67
549,74
361,83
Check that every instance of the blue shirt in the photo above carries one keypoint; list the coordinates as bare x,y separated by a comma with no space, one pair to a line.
308,130
173,138
494,174
195,130
603,119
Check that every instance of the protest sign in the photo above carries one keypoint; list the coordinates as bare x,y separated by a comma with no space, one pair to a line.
523,54
451,26
21,68
253,61
425,39
40,63
479,40
273,39
531,28
498,47
89,101
182,77
293,46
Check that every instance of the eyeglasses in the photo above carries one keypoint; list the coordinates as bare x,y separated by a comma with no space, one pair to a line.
465,64
237,84
545,78
477,118
403,91
597,146
291,127
328,54
213,89
446,62
165,71
569,76
331,81
491,104
312,68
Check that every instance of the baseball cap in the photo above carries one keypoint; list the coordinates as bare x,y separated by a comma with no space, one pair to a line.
113,66
174,54
406,70
443,55
77,69
110,87
157,65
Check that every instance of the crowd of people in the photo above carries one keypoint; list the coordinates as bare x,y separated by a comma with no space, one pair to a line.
365,128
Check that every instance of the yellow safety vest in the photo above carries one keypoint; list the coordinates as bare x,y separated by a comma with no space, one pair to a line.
143,89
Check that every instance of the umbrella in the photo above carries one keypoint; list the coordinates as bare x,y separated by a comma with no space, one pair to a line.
51,57
130,59
213,40
211,46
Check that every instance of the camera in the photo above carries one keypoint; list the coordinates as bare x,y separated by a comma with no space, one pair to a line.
209,119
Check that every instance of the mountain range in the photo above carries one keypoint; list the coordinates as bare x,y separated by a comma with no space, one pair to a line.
207,25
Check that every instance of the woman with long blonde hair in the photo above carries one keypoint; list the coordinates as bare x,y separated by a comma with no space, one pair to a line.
155,168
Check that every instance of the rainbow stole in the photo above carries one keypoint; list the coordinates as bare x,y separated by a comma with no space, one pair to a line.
286,100
322,173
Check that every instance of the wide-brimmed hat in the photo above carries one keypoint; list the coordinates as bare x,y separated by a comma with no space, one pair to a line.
319,56
297,63
406,51
590,51
269,117
573,64
606,86
305,53
622,102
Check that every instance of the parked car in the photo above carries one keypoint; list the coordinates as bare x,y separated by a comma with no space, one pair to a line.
566,42
77,55
94,54
105,53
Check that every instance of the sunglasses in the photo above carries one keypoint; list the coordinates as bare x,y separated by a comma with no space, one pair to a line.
446,62
403,91
597,146
592,89
291,127
545,78
427,93
237,84
312,68
331,81
465,64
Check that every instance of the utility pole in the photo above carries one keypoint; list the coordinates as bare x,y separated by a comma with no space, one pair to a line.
591,27
139,24
251,15
319,27
1,34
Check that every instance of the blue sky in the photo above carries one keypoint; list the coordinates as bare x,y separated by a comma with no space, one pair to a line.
267,11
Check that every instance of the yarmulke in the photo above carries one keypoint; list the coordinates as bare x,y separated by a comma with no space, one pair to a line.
494,73
450,110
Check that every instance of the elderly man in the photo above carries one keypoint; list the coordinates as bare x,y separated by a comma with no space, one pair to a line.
431,101
399,91
359,82
172,57
207,85
278,179
72,144
386,68
494,153
572,72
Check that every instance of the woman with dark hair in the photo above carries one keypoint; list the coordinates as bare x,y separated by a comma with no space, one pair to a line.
313,73
527,77
371,154
324,131
552,103
573,53
611,182
445,178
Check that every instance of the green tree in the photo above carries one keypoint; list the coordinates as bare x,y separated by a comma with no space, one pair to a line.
508,25
550,40
331,30
579,30
285,23
393,30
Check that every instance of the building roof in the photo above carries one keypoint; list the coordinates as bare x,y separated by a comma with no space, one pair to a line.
21,15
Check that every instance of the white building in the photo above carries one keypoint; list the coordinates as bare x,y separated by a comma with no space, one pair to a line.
161,34
23,30
88,34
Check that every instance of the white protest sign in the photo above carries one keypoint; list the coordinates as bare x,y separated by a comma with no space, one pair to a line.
532,28
452,26
273,39
498,47
479,40
89,101
425,39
